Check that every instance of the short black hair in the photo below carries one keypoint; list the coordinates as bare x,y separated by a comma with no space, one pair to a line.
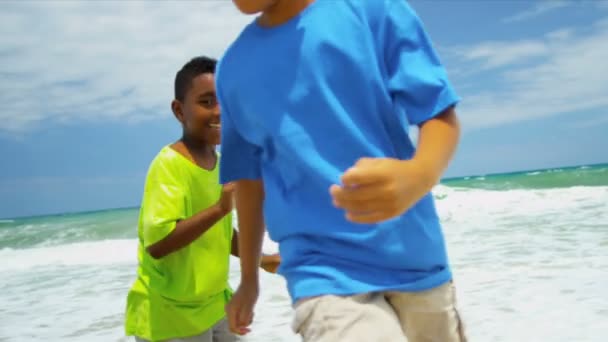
196,66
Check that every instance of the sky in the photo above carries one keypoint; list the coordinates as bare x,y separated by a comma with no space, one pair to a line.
85,89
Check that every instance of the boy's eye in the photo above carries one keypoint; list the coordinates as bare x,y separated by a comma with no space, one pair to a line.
208,103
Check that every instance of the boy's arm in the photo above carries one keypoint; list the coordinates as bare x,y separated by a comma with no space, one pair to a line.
269,262
249,199
249,204
188,230
437,142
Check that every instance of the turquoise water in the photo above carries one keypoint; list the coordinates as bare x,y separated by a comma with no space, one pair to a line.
595,175
529,251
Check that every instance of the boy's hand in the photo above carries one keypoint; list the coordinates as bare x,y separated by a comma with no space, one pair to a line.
270,262
225,203
240,308
377,189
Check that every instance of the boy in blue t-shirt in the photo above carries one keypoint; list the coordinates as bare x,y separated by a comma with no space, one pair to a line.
317,97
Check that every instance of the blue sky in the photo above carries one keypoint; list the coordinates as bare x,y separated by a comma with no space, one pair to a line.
85,89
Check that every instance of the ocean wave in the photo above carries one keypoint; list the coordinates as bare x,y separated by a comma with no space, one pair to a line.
103,252
106,252
574,206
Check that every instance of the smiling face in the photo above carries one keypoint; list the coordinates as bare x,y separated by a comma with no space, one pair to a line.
199,112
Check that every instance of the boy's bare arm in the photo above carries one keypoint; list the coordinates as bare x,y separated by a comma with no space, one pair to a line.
188,230
268,262
437,141
249,204
378,189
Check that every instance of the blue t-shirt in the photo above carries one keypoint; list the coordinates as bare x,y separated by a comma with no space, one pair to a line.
301,103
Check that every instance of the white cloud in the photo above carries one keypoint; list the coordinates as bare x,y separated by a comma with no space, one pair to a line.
485,53
566,73
74,61
540,8
67,61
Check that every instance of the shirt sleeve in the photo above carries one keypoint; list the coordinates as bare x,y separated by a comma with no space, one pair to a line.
163,203
240,158
416,78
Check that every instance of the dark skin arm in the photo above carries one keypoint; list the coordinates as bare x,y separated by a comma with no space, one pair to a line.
188,230
249,203
268,262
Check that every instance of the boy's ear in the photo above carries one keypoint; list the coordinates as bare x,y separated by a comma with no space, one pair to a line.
176,107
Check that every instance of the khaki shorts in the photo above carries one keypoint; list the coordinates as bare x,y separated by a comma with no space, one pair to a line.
427,316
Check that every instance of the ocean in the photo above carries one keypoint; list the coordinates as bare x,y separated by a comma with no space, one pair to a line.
529,252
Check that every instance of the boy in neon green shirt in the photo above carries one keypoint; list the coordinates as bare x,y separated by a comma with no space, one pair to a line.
185,226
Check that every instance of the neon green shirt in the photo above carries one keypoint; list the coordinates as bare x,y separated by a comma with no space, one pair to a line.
184,293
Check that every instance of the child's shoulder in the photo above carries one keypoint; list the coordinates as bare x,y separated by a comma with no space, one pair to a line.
166,155
166,161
